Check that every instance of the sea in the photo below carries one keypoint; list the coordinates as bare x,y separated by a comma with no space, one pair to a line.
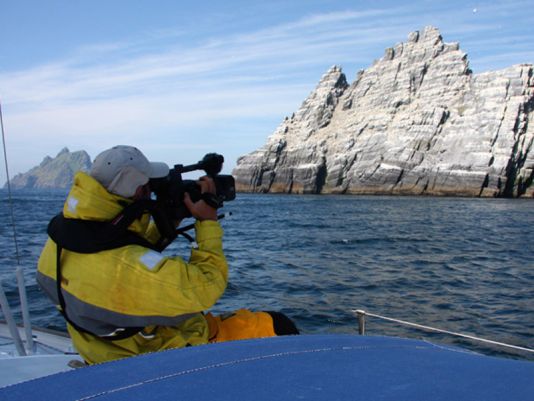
464,265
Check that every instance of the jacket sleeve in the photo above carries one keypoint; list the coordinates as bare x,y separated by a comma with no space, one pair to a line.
170,286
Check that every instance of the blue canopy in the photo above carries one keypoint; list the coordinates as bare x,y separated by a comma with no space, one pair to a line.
310,367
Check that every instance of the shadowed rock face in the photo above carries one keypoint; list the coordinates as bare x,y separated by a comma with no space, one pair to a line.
416,122
53,173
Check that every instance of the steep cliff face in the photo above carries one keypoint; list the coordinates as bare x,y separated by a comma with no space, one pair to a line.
54,173
416,122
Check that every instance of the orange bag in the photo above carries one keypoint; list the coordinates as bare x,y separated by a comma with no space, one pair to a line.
239,325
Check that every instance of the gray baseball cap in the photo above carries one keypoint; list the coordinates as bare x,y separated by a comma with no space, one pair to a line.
122,169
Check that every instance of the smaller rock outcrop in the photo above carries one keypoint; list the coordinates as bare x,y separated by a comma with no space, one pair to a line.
272,168
53,173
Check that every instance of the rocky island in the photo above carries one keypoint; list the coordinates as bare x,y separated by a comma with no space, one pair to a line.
417,122
53,173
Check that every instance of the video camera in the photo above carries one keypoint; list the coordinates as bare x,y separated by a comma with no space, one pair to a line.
170,190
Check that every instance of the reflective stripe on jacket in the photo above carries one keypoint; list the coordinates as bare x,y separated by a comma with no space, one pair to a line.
133,286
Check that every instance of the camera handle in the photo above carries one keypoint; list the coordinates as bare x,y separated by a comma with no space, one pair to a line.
182,230
211,164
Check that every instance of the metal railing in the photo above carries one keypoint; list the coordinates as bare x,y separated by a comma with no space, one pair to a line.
361,314
10,321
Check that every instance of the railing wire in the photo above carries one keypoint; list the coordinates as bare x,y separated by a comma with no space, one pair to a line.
361,318
19,272
10,199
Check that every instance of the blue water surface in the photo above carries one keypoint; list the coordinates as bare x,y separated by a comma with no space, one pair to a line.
460,264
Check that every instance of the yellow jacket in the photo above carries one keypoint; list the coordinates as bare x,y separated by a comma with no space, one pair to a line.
133,285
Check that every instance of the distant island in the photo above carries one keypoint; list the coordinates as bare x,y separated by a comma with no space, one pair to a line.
417,122
53,173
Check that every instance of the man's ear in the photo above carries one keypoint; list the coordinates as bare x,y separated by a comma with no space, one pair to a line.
142,192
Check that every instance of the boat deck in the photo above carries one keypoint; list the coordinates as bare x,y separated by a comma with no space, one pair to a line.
52,353
311,367
48,341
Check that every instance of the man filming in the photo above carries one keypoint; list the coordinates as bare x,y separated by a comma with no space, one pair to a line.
119,295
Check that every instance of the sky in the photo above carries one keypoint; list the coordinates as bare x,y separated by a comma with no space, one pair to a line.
181,79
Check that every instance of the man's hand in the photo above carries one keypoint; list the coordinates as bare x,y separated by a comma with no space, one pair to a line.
200,209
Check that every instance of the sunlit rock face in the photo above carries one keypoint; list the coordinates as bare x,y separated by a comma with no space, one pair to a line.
417,122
